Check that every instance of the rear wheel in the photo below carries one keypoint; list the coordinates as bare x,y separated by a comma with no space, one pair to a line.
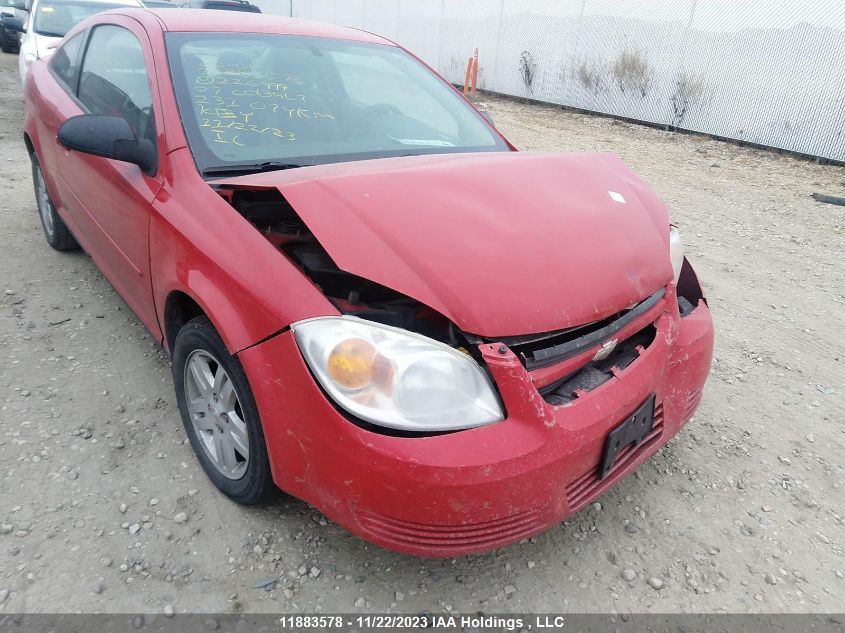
55,230
220,414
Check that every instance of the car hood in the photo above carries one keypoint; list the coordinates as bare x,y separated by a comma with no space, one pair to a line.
502,244
45,45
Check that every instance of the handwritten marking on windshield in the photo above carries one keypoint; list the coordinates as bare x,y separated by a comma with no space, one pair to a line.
230,105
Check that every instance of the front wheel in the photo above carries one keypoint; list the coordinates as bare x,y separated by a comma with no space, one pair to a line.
55,230
5,42
220,414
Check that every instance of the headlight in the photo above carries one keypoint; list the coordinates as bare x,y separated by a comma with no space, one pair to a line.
395,378
676,251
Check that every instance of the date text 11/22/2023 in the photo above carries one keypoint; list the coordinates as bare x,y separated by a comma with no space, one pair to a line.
424,621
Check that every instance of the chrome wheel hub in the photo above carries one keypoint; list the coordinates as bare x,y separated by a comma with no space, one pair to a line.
216,414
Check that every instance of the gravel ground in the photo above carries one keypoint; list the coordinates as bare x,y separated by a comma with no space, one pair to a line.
104,508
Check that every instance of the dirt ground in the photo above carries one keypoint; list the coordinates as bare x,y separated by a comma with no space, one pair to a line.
742,512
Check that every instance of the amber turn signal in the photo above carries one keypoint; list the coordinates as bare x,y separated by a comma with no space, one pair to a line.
351,363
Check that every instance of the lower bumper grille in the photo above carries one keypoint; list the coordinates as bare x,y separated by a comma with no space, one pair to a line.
588,486
690,403
445,537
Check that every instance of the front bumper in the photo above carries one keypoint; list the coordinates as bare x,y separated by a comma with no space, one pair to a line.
483,488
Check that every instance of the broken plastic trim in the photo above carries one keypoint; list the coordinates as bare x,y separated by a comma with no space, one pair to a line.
556,353
689,290
597,372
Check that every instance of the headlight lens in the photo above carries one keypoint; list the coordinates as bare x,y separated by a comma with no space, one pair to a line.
395,378
676,251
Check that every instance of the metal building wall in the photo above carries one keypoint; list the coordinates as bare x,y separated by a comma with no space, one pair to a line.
765,71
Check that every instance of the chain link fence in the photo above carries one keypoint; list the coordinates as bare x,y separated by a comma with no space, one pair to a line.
770,73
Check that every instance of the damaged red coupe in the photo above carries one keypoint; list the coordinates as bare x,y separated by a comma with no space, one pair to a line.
371,300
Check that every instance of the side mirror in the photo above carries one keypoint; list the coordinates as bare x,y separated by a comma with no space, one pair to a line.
15,25
110,137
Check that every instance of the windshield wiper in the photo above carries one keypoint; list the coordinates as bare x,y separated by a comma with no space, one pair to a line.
249,168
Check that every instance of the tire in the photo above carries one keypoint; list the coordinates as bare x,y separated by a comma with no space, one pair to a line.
5,45
225,432
55,230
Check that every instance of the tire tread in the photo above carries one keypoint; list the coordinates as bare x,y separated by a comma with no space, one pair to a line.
62,238
256,486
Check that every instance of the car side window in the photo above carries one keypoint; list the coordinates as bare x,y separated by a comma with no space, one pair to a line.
114,79
65,63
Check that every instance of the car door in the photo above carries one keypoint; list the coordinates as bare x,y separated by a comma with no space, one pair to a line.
55,103
110,200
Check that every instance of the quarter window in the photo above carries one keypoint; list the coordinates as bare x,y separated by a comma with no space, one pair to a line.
65,63
114,79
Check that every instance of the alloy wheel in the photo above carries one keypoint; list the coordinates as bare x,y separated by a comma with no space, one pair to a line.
45,207
216,414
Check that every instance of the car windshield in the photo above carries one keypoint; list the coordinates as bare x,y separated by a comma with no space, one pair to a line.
254,99
54,18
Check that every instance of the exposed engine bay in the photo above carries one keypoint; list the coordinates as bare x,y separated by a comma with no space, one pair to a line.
271,214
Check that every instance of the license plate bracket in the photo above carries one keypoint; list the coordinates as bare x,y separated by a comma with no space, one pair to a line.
632,431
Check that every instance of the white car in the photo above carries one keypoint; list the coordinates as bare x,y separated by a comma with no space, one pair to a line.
9,39
49,20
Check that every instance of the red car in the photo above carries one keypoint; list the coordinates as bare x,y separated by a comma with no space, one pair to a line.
371,300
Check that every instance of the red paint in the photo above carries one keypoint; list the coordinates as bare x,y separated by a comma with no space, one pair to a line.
474,490
502,244
530,226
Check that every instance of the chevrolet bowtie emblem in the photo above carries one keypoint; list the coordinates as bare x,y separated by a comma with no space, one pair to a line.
605,350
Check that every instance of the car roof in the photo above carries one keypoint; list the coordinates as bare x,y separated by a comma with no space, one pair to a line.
218,21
